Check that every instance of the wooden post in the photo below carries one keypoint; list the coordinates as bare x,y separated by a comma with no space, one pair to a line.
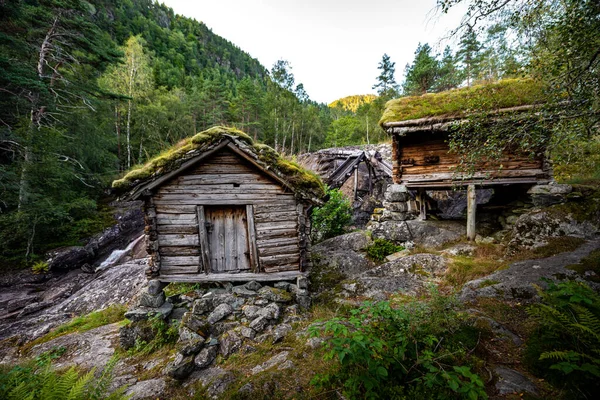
471,211
355,181
421,204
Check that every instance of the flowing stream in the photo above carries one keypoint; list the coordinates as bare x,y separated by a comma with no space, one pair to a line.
118,255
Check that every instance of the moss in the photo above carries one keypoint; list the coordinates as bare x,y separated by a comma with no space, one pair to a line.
503,94
172,158
590,263
488,282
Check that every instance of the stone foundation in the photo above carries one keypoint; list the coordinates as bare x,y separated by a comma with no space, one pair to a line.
217,320
397,206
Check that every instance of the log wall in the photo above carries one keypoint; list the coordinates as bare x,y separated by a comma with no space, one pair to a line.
279,226
424,160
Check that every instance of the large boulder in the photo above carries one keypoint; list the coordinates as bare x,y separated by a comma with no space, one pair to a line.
432,234
533,229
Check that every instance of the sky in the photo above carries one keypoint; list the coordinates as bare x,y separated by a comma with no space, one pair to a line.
333,46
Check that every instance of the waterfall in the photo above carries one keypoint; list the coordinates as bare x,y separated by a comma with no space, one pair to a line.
118,255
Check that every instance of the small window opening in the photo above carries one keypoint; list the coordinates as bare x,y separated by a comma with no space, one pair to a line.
236,185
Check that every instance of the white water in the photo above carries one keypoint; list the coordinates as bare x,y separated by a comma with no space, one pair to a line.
118,255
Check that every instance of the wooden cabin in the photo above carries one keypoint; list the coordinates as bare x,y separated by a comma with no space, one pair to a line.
219,207
421,155
420,128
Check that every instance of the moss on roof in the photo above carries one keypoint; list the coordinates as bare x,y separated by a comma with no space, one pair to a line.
503,94
172,158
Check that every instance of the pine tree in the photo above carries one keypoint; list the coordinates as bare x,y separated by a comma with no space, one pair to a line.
469,53
386,85
420,77
449,74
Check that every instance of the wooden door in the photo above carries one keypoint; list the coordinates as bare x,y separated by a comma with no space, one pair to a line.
227,236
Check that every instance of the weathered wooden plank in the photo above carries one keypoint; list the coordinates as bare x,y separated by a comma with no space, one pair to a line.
224,168
252,248
178,269
220,179
220,188
277,242
179,251
266,208
200,196
279,250
276,233
230,236
241,277
282,268
172,209
266,226
280,259
180,260
178,240
178,219
177,229
203,240
277,216
221,201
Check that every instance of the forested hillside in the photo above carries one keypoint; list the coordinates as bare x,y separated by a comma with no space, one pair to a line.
89,89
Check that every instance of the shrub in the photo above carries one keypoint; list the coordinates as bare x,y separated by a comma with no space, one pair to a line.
407,352
332,218
382,248
566,346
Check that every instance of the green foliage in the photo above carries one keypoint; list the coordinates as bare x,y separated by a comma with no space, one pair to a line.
164,334
406,353
332,218
38,380
382,248
40,267
567,341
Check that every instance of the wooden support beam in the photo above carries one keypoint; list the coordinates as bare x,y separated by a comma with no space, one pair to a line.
421,204
355,182
471,211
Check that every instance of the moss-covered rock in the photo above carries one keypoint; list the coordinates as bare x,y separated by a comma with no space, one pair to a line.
172,158
504,94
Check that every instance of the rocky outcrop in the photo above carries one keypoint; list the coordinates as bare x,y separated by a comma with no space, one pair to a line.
68,295
516,282
407,275
130,224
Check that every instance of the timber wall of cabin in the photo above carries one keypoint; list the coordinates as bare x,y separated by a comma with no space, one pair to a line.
281,223
413,160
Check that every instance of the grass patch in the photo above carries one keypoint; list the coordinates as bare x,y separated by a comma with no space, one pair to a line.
589,263
488,282
175,288
464,269
110,315
503,94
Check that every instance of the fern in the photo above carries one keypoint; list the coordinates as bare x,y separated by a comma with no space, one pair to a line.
41,382
569,334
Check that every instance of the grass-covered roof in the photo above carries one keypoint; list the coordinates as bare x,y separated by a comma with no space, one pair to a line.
305,183
506,93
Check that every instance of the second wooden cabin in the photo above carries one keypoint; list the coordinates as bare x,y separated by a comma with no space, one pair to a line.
221,208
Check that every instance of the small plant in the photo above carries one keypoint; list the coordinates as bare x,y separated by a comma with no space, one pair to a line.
332,218
40,267
382,248
406,352
567,343
164,334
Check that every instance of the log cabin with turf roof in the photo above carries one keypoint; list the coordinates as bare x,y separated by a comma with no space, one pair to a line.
420,128
220,207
